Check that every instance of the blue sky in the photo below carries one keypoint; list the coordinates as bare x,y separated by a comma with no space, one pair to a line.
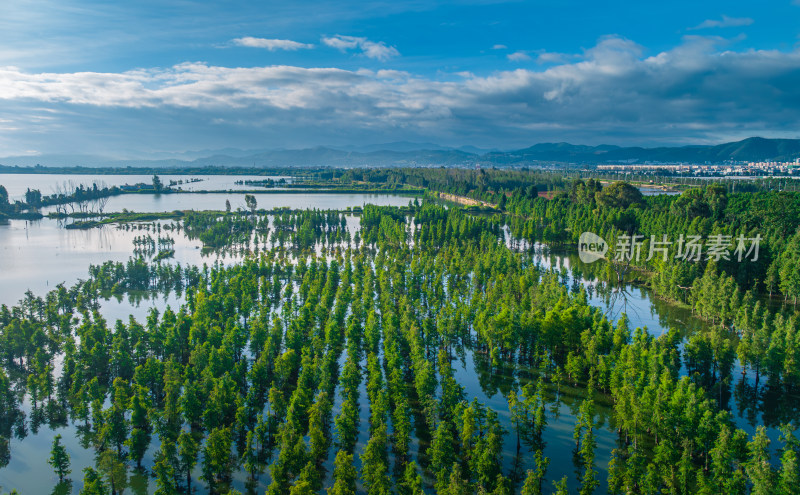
169,76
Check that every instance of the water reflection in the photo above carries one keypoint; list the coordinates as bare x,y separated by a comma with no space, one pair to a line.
149,203
482,379
17,184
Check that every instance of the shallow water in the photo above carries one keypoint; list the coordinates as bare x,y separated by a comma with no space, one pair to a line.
17,184
44,253
39,255
655,191
149,203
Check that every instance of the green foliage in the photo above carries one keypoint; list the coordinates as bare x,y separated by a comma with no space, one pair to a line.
59,458
344,475
157,184
93,484
217,459
758,466
251,202
280,357
619,195
32,197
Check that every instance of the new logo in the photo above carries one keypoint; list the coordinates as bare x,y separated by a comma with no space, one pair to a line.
591,247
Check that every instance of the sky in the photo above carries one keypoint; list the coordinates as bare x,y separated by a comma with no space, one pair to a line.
154,78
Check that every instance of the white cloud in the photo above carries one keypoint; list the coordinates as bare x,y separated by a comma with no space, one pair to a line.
698,89
503,47
724,22
371,49
270,44
519,56
545,57
342,42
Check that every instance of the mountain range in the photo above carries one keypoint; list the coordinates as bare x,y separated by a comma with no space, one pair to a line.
429,154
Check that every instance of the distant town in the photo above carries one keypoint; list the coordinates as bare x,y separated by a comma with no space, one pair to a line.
743,169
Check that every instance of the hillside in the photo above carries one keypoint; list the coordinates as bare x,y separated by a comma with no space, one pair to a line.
427,154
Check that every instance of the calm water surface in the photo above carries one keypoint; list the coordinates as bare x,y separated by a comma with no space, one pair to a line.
38,255
17,184
148,203
41,254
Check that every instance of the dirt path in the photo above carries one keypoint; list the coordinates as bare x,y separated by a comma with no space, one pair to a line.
463,200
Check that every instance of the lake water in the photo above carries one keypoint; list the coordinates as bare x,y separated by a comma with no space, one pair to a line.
29,455
655,191
28,458
17,184
149,203
38,255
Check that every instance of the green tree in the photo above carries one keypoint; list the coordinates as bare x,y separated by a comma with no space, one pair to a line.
93,483
115,427
411,484
375,464
59,458
139,439
562,487
790,269
788,480
114,471
619,195
535,478
501,205
188,450
217,459
758,465
157,184
32,197
344,475
251,202
164,470
442,454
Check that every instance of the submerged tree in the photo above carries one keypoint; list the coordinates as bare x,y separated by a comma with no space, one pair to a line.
157,184
251,203
93,484
59,458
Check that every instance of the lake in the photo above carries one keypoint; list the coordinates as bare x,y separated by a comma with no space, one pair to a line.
38,255
17,184
148,203
637,303
29,455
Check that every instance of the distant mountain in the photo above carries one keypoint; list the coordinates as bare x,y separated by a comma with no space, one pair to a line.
410,146
428,154
475,150
395,146
323,156
750,149
756,148
57,160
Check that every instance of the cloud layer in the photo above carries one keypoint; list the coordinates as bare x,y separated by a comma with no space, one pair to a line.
724,22
370,49
611,92
519,56
270,44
